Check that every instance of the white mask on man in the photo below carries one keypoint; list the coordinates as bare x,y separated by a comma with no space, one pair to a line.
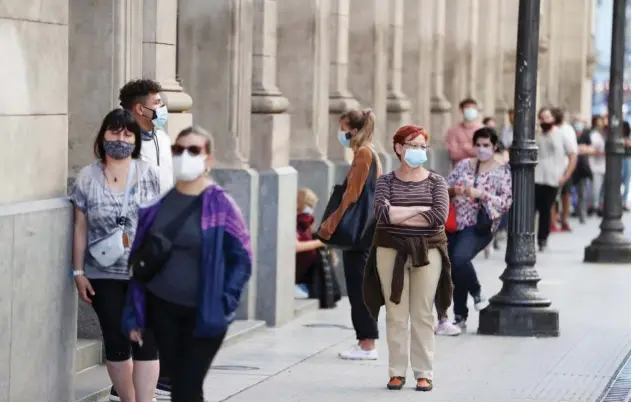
187,167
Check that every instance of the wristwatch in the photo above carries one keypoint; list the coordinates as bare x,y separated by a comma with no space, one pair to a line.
76,273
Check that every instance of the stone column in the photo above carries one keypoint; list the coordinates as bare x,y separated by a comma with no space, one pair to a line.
219,77
488,34
509,35
440,107
99,72
417,58
38,311
502,104
160,31
270,155
368,60
551,73
398,107
459,43
340,98
303,74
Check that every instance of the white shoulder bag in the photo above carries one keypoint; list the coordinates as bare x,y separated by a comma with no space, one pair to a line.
110,249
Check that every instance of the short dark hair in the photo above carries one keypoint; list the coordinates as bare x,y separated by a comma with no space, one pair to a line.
467,101
116,120
136,91
486,133
558,115
200,131
594,119
487,119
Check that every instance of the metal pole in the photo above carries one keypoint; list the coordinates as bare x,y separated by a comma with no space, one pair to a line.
611,246
518,309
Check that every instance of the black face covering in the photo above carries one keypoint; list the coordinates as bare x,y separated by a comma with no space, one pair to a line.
546,126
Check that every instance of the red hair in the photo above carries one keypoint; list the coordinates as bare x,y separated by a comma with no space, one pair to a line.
408,132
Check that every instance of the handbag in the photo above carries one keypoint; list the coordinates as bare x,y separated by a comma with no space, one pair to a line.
107,251
450,223
483,221
357,225
154,251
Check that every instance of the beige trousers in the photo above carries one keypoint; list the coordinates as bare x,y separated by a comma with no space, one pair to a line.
420,287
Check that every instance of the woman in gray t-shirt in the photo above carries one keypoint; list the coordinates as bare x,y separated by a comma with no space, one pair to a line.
107,195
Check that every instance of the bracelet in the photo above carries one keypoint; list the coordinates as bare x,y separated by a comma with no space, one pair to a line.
76,273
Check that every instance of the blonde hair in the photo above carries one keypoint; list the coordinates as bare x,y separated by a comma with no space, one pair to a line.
364,122
306,197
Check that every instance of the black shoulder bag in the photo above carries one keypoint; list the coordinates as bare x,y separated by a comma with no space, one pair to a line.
152,254
357,226
483,221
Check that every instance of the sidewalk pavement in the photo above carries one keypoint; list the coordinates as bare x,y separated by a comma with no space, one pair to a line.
298,362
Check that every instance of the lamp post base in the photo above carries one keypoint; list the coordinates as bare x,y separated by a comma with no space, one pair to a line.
519,321
616,249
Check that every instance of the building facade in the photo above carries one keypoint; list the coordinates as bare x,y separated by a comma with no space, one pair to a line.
269,79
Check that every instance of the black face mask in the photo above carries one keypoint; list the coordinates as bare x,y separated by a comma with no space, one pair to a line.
546,126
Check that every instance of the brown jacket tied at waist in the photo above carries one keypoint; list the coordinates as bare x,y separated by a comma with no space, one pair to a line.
417,249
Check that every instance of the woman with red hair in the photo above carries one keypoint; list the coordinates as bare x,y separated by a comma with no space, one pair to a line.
409,265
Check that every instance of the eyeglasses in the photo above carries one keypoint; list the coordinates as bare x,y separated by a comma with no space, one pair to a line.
411,146
193,150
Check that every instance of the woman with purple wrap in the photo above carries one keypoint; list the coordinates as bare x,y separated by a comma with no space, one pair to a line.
197,234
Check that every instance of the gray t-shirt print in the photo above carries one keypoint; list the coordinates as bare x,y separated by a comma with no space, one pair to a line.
91,194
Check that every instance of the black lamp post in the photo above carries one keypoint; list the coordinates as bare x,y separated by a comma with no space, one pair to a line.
611,246
518,309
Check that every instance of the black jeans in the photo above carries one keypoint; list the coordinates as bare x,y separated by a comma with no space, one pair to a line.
185,357
108,302
463,246
544,198
365,326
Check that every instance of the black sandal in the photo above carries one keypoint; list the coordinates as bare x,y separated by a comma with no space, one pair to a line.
424,388
396,383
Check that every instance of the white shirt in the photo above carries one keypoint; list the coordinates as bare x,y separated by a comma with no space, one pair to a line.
571,137
553,148
506,136
597,162
157,151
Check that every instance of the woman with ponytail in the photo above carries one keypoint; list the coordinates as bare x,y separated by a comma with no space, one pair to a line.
356,133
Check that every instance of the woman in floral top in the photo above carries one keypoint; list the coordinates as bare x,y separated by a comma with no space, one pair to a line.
480,189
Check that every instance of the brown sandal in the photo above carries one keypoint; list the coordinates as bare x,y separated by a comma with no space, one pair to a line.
424,385
396,383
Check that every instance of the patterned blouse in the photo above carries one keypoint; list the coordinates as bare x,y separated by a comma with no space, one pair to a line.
497,187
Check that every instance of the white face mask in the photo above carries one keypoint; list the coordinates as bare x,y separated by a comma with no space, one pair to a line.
187,167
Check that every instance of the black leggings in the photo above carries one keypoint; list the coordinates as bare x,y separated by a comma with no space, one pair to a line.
364,325
185,357
108,302
544,198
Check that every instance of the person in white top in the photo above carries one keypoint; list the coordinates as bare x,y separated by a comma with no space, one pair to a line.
570,138
506,135
142,98
597,163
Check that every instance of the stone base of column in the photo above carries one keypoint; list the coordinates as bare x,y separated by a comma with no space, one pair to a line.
614,248
341,168
519,321
439,161
318,175
276,245
389,161
397,113
243,186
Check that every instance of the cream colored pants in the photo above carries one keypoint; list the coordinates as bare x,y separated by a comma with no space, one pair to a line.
420,287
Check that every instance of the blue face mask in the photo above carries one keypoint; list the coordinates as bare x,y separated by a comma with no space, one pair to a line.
342,138
578,127
470,114
160,116
308,210
414,158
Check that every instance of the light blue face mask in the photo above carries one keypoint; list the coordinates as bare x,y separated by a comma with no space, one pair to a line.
342,138
415,157
578,127
470,114
160,116
308,210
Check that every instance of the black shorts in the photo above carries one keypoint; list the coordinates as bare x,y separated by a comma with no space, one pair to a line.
108,302
566,188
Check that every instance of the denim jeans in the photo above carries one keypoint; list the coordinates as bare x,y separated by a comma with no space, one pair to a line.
463,246
625,178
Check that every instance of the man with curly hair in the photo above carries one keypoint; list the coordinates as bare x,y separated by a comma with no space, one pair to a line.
142,98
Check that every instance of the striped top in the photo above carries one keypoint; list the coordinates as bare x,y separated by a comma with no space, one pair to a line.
431,192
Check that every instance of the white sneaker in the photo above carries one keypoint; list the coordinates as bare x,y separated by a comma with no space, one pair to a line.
447,328
300,293
357,353
480,303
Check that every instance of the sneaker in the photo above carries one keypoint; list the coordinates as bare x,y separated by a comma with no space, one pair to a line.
460,322
554,228
396,383
163,391
114,397
480,303
300,292
357,353
566,228
445,328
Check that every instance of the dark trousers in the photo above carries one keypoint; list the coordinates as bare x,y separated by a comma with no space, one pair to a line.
463,246
365,326
185,357
544,198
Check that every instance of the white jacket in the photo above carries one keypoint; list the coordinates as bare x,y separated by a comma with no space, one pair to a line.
157,151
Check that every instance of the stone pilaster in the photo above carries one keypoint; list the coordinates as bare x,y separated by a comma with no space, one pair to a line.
502,104
457,43
220,80
340,98
160,28
270,155
303,46
368,61
509,35
551,73
488,37
398,106
440,107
